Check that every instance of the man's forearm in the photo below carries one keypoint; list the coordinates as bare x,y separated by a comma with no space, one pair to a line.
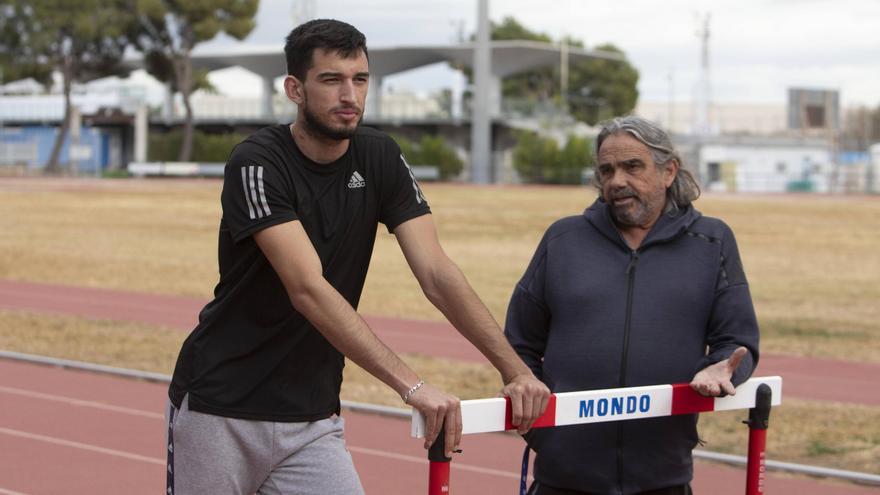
340,324
450,292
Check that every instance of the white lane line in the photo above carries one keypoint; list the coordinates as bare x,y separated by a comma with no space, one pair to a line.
81,446
80,402
10,492
153,460
151,415
421,460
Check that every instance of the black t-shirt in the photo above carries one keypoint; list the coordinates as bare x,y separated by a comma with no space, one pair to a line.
252,354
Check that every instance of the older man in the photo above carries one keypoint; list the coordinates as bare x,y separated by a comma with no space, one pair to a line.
639,290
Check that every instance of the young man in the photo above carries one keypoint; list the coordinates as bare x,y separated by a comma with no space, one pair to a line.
633,292
255,394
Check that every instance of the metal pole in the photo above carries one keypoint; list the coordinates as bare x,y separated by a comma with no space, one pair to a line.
481,128
563,73
439,464
759,419
141,131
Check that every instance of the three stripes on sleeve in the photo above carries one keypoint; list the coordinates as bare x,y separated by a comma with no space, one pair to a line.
255,191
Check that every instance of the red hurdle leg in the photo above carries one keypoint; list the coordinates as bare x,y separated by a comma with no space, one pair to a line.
438,474
759,419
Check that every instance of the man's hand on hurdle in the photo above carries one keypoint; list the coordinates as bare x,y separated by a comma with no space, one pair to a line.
440,410
528,400
712,380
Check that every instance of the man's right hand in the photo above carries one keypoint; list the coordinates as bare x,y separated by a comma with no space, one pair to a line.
440,410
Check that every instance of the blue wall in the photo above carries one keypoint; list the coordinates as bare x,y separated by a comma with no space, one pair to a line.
44,138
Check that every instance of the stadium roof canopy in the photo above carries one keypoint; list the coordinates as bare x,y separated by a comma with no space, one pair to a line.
507,58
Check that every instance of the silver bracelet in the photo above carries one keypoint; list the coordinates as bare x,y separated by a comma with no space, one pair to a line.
411,391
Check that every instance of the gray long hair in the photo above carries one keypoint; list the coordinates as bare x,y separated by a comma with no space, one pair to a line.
684,188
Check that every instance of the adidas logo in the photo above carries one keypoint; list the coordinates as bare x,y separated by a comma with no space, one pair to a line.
356,181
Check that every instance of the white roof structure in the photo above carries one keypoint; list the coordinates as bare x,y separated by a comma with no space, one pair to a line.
508,58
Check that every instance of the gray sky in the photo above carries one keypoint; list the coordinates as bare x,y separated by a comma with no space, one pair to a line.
758,48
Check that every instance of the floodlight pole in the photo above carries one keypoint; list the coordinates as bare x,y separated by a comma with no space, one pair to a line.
481,128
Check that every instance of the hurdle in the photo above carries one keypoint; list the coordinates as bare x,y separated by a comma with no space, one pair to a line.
616,404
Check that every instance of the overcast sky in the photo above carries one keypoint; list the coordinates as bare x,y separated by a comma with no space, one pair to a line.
758,48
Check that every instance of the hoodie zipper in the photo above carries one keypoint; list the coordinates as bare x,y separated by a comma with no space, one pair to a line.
631,274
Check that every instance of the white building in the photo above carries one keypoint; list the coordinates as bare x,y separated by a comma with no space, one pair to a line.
761,164
724,118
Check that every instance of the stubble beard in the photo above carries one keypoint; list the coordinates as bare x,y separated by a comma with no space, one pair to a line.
641,212
315,126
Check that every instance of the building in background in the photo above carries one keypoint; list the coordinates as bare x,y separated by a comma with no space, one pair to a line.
724,118
813,111
745,147
766,148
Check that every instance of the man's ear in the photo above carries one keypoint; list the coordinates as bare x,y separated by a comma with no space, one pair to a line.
294,89
670,170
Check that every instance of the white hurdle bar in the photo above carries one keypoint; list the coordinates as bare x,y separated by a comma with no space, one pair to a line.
613,404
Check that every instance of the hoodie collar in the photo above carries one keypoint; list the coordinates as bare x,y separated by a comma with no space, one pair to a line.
666,228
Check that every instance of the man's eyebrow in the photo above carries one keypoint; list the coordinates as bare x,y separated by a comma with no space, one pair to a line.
631,161
327,74
324,75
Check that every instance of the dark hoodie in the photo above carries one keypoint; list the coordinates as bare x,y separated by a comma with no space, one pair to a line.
591,313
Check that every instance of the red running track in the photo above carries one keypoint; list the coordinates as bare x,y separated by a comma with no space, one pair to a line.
77,433
807,378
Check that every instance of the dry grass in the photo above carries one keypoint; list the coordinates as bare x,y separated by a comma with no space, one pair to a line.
832,435
807,432
112,343
812,260
137,235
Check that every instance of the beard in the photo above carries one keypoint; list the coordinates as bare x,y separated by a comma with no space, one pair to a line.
641,211
317,127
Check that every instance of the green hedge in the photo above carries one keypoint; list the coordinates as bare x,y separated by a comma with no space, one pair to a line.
540,160
431,150
206,147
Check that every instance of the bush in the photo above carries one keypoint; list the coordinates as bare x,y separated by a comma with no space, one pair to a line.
206,147
408,149
538,160
576,155
432,151
435,151
534,156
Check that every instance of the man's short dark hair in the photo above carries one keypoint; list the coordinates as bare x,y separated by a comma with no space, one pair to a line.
327,34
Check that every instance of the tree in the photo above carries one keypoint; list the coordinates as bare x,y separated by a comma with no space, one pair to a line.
435,151
534,85
539,160
528,86
601,89
17,60
82,40
408,149
860,129
168,30
574,157
533,156
432,151
598,88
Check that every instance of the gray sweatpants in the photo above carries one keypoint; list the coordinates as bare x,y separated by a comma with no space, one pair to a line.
210,454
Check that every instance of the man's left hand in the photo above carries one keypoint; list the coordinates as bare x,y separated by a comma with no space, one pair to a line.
712,380
528,400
